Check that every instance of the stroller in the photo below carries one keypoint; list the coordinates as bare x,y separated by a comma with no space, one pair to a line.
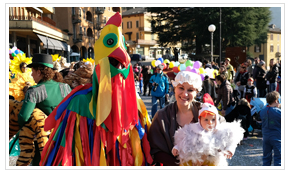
257,105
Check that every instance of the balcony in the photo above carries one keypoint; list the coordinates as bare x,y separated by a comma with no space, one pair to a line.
37,25
48,20
146,42
145,29
76,18
47,10
99,10
79,38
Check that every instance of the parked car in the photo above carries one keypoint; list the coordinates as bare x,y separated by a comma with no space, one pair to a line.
136,57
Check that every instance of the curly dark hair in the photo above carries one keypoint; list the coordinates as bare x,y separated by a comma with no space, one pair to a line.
49,73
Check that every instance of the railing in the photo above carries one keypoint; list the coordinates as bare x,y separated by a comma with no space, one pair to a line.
99,10
19,17
48,20
76,18
79,38
39,20
46,24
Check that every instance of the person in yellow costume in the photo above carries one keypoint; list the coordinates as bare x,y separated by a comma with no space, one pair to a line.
23,78
207,142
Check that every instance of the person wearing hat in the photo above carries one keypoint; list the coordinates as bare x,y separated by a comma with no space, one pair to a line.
160,85
175,115
261,79
230,69
207,142
46,95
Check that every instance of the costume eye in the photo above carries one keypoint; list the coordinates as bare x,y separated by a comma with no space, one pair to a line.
110,40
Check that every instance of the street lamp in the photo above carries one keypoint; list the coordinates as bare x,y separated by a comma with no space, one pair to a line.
211,28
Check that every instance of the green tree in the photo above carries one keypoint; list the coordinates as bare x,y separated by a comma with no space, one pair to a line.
241,26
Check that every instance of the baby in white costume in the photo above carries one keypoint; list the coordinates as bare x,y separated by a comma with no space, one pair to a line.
207,142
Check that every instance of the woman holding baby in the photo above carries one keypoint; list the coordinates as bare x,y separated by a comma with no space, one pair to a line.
184,111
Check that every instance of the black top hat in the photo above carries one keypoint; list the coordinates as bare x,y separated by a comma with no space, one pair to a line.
41,59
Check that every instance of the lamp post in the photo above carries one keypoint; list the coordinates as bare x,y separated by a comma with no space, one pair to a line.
211,28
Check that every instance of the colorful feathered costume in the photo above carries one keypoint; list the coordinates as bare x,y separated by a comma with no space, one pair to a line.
21,79
103,123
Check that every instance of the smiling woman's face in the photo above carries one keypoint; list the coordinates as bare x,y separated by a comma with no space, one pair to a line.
185,94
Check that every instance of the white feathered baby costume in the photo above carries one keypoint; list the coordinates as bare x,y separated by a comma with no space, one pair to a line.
193,142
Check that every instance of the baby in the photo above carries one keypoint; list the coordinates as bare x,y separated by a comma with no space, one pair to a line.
207,142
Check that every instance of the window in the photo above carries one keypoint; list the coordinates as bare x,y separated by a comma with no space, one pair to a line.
257,48
271,36
74,31
137,36
152,36
80,12
73,10
137,24
278,50
271,48
129,36
84,16
129,24
81,30
84,30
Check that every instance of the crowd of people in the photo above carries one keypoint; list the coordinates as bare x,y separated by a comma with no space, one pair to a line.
233,91
87,114
185,110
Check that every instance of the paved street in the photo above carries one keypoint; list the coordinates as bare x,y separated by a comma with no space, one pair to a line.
249,153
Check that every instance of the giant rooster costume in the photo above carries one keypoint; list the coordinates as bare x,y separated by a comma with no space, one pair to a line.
104,123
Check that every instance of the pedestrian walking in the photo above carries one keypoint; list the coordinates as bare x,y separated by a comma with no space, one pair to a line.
160,86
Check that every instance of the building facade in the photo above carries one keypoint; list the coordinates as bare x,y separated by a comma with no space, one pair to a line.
84,25
271,49
138,35
33,30
57,30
